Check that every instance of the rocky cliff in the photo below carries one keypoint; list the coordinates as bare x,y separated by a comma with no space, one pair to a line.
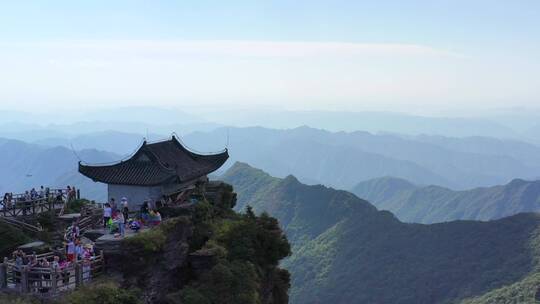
207,254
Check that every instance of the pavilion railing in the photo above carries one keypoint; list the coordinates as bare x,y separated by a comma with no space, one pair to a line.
48,281
20,205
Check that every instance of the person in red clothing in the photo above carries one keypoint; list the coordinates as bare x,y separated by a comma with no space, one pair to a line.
70,252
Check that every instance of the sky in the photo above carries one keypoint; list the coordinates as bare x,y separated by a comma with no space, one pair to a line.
300,55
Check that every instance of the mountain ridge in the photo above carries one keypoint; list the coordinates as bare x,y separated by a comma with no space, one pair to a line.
346,251
431,204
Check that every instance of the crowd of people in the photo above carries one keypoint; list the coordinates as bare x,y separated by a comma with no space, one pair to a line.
117,217
59,267
42,193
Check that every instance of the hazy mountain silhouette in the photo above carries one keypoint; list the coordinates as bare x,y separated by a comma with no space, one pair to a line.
343,159
431,204
27,165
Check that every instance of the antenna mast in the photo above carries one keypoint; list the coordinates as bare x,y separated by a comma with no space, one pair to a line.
227,146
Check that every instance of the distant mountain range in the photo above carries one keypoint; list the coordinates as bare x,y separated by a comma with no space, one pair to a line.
344,159
341,159
516,124
377,121
121,143
432,204
345,251
27,165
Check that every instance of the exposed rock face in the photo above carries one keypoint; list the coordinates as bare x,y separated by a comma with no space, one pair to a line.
201,262
220,194
158,272
170,262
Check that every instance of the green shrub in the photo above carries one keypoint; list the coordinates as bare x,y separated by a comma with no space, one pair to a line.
18,299
76,205
255,239
227,283
147,242
103,293
191,295
10,238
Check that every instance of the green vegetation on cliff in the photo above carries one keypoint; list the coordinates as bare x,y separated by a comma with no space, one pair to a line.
526,291
211,256
10,238
102,293
345,251
249,249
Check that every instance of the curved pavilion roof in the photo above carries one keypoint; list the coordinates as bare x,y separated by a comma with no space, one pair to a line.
155,164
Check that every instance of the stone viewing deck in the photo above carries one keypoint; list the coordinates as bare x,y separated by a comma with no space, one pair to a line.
48,281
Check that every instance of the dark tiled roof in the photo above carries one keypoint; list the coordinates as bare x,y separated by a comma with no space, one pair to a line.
155,164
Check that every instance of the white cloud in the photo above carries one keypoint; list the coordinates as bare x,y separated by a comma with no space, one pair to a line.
239,48
309,75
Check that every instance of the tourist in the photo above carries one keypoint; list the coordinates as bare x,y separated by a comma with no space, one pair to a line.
70,252
59,196
41,192
19,263
111,224
19,259
27,196
33,194
44,263
120,221
145,211
135,225
73,232
154,218
88,251
157,218
33,261
79,250
125,208
112,202
74,192
107,213
6,201
55,263
8,198
71,194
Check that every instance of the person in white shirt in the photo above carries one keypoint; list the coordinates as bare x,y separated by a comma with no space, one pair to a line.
121,223
107,212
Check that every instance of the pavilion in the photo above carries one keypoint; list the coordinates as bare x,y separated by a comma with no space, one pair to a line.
156,169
